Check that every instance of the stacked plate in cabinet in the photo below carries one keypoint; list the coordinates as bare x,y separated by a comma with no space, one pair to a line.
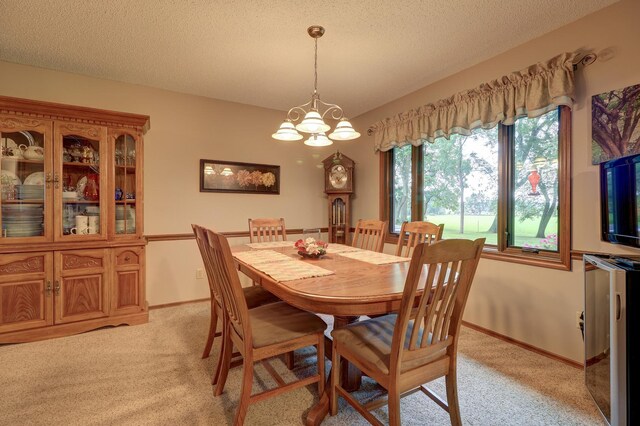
22,220
30,192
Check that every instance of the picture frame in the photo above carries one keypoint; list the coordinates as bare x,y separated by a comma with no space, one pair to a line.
240,178
615,124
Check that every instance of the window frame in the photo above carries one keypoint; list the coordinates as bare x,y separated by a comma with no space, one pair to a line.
502,251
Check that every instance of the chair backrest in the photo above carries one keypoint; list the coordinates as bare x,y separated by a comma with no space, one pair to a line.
264,230
203,241
414,233
225,274
450,267
369,235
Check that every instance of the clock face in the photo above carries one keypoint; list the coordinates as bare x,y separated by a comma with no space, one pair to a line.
338,176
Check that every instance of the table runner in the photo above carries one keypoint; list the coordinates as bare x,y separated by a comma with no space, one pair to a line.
271,244
280,266
374,257
256,257
340,248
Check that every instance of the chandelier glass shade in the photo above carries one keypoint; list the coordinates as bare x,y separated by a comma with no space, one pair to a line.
344,131
318,139
312,115
287,132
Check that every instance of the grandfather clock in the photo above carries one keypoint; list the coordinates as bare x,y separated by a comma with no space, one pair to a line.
338,185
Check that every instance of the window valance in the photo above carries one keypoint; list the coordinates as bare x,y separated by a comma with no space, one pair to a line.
530,92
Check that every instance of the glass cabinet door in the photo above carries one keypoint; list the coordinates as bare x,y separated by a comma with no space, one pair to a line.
25,180
126,184
80,182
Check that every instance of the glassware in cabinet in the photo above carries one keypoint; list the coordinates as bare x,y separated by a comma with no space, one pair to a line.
25,180
126,183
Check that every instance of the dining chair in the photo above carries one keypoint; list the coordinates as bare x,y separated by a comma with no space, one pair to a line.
369,234
260,333
264,230
414,233
255,296
404,350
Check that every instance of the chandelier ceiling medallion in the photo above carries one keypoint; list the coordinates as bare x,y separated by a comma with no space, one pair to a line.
314,113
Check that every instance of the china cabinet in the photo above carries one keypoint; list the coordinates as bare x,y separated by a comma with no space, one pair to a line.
72,250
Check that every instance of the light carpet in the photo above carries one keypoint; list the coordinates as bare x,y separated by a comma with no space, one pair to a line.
153,374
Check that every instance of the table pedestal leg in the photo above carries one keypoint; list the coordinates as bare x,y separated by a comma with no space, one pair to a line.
350,378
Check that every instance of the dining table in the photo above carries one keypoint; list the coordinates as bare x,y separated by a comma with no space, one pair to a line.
348,284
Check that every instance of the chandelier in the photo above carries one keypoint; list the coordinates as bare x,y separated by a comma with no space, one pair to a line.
314,112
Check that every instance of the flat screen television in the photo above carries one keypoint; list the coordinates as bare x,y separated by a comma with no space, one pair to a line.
620,200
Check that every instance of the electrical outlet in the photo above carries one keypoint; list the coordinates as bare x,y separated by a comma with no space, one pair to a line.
578,319
199,274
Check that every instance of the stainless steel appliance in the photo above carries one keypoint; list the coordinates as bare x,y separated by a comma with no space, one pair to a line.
611,336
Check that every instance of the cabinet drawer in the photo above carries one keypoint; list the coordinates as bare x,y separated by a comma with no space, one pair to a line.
82,259
127,257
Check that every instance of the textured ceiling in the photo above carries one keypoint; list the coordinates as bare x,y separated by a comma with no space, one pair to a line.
258,52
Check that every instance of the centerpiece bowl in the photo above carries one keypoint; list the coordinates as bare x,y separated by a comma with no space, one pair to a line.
311,256
310,248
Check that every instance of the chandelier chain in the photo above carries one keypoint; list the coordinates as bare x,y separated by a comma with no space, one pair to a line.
315,68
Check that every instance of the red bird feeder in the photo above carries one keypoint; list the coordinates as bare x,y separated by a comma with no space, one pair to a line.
534,179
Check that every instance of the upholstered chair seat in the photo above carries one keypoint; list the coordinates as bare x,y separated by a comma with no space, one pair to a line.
371,340
281,322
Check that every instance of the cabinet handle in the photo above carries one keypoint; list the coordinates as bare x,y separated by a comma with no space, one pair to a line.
618,306
127,258
48,287
57,288
48,180
56,180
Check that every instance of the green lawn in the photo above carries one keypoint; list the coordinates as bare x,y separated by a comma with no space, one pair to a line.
476,227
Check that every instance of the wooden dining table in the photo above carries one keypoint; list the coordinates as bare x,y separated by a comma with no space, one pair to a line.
356,288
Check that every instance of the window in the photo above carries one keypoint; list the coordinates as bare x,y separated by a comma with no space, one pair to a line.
401,189
534,215
460,187
509,184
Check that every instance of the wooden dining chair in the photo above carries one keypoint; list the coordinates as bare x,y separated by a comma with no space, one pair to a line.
418,344
255,296
260,333
264,230
267,230
369,234
414,233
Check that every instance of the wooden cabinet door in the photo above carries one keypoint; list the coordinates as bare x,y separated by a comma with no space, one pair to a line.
81,285
25,291
128,295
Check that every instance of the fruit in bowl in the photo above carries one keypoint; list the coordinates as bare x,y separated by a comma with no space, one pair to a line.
311,248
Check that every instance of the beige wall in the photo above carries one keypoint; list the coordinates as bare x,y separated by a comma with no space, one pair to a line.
184,129
535,305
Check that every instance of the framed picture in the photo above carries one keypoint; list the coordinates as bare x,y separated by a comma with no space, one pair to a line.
228,176
615,122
